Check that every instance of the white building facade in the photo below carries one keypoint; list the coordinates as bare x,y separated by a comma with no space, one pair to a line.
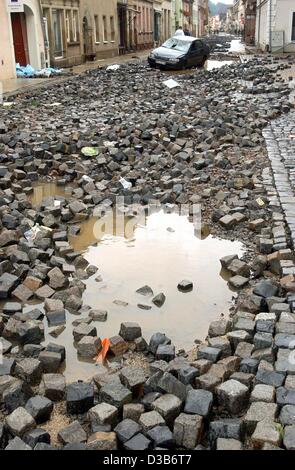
21,37
275,25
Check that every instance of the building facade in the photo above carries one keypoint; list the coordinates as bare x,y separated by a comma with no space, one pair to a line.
239,16
250,22
21,38
275,25
80,30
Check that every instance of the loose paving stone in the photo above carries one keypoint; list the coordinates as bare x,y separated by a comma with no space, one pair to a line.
126,429
17,444
79,397
169,406
266,432
169,384
238,282
115,394
53,386
263,392
211,354
270,377
185,286
228,444
102,441
20,421
150,419
50,361
228,428
259,411
133,411
198,402
287,415
156,340
165,352
89,346
103,413
187,430
138,442
72,433
233,396
133,378
84,330
37,435
159,299
29,370
129,331
40,408
162,437
289,437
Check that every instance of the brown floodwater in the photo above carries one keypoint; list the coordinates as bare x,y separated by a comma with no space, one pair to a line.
47,189
158,250
157,257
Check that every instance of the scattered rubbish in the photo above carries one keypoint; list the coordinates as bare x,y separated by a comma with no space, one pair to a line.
87,179
171,83
104,350
108,143
126,184
90,151
29,72
113,67
56,203
260,202
54,104
7,104
31,234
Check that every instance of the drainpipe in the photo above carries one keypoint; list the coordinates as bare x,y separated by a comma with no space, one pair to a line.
45,40
270,25
259,21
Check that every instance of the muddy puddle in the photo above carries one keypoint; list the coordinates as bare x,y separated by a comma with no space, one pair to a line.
158,250
44,190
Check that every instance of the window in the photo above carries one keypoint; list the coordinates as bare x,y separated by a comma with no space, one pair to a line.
57,35
112,23
293,28
105,31
75,23
69,25
96,28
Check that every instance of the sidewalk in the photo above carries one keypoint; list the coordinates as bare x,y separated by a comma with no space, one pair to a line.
18,85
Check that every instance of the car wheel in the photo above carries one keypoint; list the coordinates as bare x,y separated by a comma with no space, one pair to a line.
205,58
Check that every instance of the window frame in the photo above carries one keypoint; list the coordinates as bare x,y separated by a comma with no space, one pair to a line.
293,26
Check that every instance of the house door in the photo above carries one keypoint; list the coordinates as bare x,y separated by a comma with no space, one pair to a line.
19,32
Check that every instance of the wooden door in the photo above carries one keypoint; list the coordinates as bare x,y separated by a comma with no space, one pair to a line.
19,32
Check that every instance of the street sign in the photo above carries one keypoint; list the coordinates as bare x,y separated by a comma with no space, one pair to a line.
15,6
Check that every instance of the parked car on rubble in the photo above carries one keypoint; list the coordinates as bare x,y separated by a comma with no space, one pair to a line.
180,52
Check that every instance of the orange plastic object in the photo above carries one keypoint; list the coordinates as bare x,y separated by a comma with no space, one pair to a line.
104,350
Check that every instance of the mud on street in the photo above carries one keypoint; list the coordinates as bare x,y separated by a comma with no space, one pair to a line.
199,323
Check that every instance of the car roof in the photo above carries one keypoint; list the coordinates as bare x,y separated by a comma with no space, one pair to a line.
186,38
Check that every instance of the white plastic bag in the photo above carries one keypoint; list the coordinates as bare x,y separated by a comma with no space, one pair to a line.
126,184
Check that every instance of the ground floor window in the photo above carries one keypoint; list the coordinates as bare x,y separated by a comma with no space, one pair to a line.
75,26
96,28
69,26
105,29
293,27
112,23
57,32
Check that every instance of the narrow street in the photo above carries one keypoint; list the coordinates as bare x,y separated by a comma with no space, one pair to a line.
158,223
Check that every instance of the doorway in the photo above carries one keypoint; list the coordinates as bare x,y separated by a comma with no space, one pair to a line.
20,40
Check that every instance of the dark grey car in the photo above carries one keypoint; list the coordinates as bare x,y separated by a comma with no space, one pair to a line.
180,52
